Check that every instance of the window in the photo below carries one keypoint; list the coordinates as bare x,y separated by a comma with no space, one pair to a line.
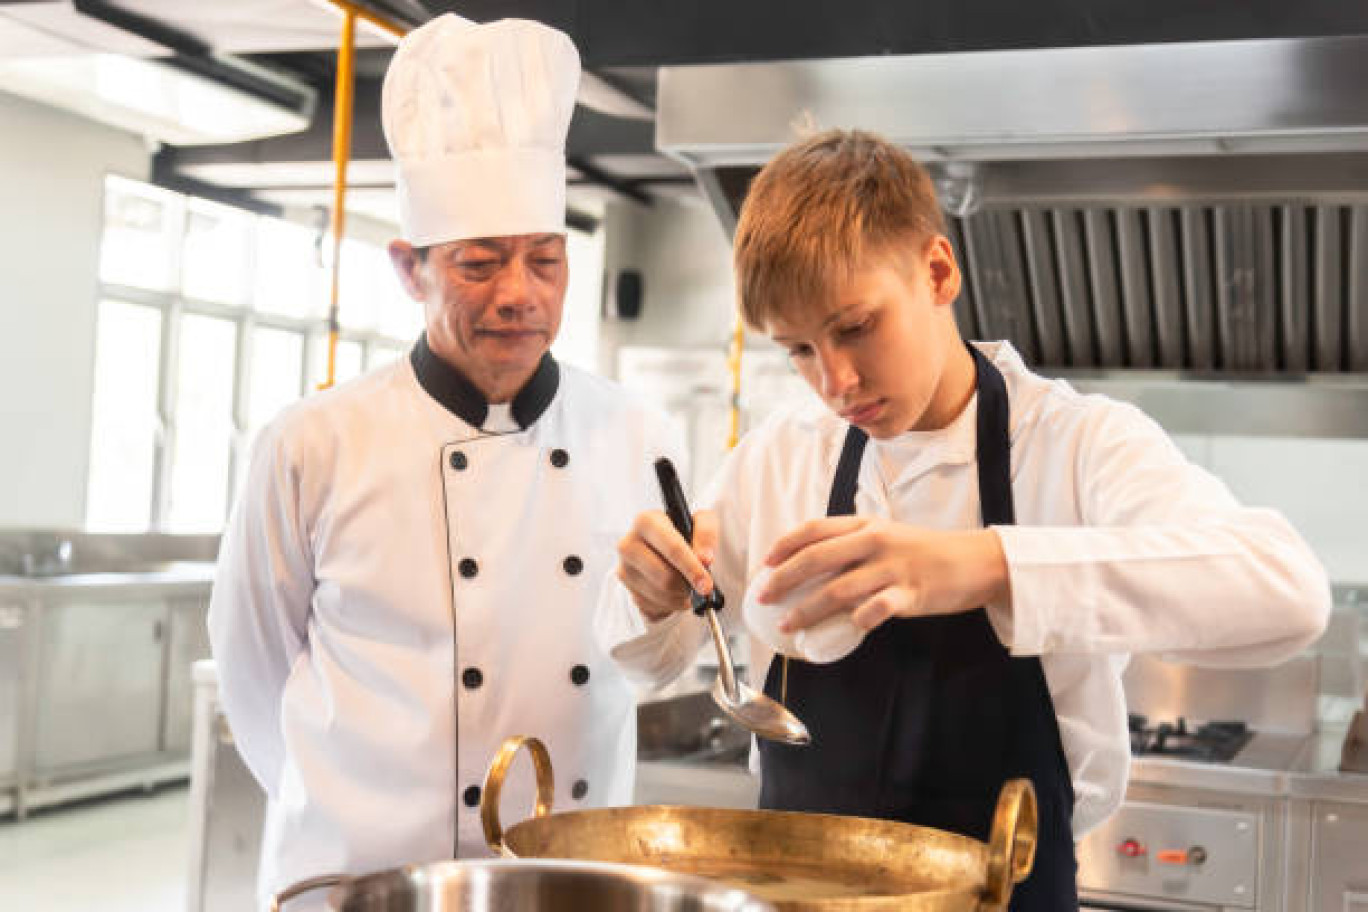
200,455
210,321
125,428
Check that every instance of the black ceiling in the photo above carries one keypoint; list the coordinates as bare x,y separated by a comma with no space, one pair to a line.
612,33
623,41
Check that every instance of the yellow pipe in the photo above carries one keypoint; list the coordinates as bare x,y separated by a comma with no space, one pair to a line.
342,128
380,22
738,346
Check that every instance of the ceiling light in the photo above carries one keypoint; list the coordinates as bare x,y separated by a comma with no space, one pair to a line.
149,96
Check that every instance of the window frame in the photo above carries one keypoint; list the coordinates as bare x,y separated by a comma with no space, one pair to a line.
174,305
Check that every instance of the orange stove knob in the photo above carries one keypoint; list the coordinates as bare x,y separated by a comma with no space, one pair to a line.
1130,849
1173,856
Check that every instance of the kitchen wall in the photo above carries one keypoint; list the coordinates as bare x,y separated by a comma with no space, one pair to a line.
52,169
685,261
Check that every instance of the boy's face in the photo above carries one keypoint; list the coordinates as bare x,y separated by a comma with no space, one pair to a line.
875,350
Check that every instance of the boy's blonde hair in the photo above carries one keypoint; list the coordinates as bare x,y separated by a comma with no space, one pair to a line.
820,210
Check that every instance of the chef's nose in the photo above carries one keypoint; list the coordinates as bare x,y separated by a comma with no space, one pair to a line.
513,294
836,373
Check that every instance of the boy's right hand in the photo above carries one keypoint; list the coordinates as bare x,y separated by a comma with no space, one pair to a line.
658,567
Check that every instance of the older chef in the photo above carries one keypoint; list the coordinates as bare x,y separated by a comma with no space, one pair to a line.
410,575
997,543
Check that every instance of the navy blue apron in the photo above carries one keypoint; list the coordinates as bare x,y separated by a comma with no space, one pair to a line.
926,720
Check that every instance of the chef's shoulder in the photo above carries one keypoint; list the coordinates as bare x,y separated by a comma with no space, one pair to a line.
601,406
313,428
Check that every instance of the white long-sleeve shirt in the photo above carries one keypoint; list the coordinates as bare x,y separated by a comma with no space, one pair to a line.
1121,546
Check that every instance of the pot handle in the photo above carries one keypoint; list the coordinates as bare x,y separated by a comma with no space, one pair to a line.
493,787
1012,848
305,886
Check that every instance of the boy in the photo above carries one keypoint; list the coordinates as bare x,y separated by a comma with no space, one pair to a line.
1005,541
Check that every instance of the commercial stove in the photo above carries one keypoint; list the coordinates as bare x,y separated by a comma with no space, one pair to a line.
1204,825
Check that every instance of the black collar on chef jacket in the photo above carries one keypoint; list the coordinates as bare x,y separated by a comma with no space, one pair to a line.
458,395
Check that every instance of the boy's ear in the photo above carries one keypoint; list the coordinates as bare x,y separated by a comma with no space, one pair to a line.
943,270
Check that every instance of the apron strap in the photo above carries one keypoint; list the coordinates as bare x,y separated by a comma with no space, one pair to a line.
994,445
847,480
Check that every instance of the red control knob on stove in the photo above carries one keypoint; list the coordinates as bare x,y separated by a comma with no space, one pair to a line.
1130,849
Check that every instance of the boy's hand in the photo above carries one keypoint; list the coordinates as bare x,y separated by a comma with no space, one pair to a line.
881,569
656,564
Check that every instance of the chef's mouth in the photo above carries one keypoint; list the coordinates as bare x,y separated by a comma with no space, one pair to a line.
513,332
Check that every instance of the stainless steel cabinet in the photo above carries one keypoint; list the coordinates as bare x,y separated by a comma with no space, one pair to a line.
11,670
100,673
1339,858
187,643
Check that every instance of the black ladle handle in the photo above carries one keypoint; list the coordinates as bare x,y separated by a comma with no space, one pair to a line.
677,508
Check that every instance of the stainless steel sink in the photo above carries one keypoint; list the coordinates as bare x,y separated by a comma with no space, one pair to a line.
689,729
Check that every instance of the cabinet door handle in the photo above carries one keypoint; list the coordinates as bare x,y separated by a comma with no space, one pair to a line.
157,631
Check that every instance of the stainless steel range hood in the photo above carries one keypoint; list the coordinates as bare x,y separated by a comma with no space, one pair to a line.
1196,208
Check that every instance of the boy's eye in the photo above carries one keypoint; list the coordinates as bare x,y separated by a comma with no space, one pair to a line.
855,329
800,351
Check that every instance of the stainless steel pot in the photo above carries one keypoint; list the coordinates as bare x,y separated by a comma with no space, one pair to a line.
495,885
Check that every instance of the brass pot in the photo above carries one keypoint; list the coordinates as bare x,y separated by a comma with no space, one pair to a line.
796,861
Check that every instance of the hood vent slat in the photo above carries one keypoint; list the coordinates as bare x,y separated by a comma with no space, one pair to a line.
1243,288
1356,311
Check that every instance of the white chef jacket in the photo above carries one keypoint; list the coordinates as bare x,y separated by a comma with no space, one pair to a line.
398,592
1121,546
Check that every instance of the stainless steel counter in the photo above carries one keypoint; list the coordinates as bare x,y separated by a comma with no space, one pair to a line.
97,636
171,577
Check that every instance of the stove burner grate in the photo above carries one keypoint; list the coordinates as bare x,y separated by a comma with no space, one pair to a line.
1210,742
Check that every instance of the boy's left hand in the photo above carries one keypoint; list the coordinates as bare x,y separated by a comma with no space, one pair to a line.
881,569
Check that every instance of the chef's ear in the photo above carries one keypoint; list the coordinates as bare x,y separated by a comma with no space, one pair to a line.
409,263
942,270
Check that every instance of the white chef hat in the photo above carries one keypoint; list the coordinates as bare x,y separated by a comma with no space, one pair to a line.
476,118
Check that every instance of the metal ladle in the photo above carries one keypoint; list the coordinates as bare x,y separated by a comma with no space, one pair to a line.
755,711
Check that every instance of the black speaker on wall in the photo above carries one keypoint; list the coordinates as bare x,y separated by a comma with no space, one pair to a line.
623,298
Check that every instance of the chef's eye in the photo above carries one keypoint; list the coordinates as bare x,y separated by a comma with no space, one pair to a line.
478,268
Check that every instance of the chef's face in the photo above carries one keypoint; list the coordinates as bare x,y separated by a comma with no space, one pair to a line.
875,349
492,305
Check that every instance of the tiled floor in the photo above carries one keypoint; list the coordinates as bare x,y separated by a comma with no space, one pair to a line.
121,854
